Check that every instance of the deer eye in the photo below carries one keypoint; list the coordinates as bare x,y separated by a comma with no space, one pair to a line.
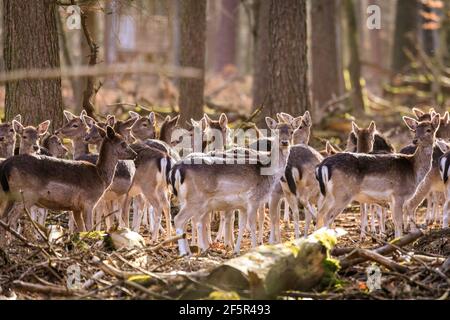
428,130
24,137
74,126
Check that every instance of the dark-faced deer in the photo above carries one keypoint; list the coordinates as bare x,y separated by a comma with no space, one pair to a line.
376,178
63,184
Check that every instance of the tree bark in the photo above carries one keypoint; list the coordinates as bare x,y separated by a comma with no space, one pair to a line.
31,41
192,54
227,34
405,24
261,52
355,60
327,77
287,87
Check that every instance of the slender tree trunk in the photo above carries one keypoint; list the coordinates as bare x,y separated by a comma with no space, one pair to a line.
327,77
287,88
227,34
406,24
355,60
192,54
31,41
261,52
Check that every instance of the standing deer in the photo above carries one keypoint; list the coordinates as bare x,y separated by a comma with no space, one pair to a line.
202,188
8,138
63,184
366,178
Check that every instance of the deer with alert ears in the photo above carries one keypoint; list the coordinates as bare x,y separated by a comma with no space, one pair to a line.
63,184
376,178
8,138
202,188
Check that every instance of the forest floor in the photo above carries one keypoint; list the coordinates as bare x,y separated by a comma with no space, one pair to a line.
35,270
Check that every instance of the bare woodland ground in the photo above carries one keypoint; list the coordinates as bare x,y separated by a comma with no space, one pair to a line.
18,262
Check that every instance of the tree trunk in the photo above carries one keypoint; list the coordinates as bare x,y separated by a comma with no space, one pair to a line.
192,54
261,52
327,77
227,33
31,41
405,24
355,60
287,88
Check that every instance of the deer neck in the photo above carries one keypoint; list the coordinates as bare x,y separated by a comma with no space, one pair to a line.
79,147
422,160
106,163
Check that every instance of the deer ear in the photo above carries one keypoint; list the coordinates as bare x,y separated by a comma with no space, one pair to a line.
207,119
17,126
372,126
69,115
43,127
133,115
445,117
286,117
223,120
418,113
83,113
152,117
271,123
329,149
307,118
442,145
18,118
111,120
355,127
411,123
435,121
175,119
88,121
110,133
296,122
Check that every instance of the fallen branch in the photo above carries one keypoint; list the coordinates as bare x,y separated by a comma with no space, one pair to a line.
384,250
51,290
388,263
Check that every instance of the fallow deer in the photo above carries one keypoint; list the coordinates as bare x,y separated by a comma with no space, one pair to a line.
63,184
376,178
202,188
8,138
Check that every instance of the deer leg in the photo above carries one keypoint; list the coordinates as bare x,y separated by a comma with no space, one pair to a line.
292,201
221,231
79,221
180,222
194,240
261,216
286,211
274,215
166,210
137,214
228,228
397,215
242,225
429,214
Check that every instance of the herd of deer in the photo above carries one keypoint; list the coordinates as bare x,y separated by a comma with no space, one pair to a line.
140,166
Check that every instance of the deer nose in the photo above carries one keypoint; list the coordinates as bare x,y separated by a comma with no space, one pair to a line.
284,143
35,148
415,141
2,139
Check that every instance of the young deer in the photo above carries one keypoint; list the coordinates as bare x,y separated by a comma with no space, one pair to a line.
30,136
432,184
52,146
8,138
202,188
376,178
63,184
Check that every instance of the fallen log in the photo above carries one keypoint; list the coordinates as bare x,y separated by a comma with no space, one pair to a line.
268,270
384,250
